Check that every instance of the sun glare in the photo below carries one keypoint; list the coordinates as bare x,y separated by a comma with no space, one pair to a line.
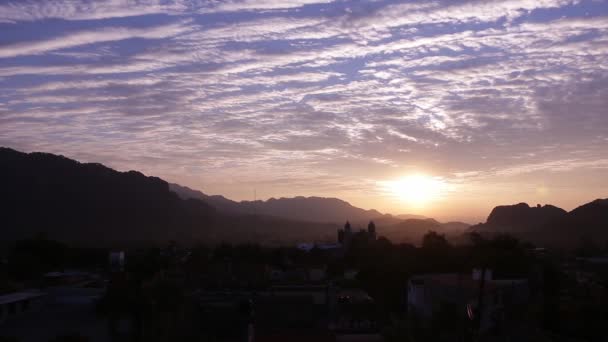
416,190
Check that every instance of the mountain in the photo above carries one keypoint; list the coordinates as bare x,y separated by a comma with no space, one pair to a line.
75,201
400,228
219,202
313,209
88,203
549,225
587,222
520,217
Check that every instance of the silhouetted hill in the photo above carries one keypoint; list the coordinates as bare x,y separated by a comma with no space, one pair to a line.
520,217
587,222
549,225
219,202
313,209
75,201
400,228
93,204
88,202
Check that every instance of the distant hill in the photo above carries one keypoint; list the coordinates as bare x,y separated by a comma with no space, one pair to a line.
400,228
69,200
93,204
520,217
588,222
313,209
550,225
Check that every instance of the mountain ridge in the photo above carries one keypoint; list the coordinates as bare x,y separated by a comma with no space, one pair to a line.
91,202
522,216
549,225
312,208
94,204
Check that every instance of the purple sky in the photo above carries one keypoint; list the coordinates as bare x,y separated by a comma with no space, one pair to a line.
499,101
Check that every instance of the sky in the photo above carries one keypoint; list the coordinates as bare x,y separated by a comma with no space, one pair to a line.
440,108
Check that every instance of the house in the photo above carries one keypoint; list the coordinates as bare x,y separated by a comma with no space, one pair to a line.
275,273
354,313
18,303
305,246
117,261
318,294
316,274
445,295
350,274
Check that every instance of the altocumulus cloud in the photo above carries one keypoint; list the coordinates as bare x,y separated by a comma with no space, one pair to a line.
308,91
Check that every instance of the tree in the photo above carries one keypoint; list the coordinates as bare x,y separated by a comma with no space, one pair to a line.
32,257
476,239
8,339
434,241
70,338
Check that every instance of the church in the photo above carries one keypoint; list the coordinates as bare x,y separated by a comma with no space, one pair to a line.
346,235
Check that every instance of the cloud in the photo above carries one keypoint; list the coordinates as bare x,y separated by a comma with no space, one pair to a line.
252,5
33,10
312,92
109,34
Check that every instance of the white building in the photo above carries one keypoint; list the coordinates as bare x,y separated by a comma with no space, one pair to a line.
117,261
307,247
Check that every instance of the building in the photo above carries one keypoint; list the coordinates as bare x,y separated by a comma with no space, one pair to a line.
346,235
18,303
456,296
307,246
355,313
117,261
350,274
371,230
317,274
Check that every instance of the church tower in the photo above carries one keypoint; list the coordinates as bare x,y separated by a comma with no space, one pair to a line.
371,230
347,227
345,235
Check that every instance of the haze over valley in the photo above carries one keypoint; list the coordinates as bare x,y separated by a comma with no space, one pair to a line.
91,203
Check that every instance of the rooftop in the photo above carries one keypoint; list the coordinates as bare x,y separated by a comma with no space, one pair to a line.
19,296
453,280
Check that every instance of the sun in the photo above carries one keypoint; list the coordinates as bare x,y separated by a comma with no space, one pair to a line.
416,190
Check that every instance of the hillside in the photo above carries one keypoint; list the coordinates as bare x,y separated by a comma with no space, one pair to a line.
588,222
520,217
549,225
93,204
313,209
69,200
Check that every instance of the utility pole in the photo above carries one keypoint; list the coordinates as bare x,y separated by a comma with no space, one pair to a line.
482,283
